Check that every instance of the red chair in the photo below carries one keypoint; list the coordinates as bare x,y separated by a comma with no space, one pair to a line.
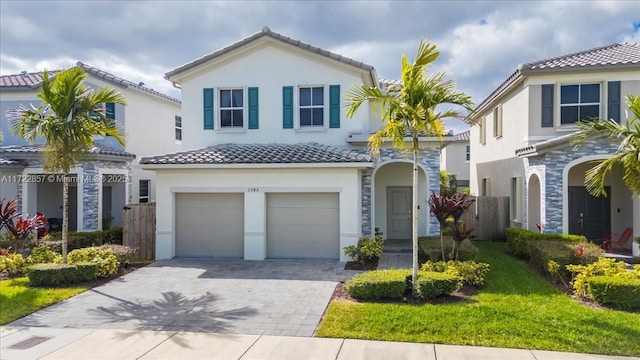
618,243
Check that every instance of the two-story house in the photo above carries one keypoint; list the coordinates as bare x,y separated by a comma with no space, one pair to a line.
455,157
106,180
274,169
521,145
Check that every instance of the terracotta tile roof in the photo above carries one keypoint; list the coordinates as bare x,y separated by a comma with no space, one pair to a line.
267,32
260,154
13,151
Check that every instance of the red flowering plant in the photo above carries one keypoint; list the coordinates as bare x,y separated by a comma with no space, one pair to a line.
20,227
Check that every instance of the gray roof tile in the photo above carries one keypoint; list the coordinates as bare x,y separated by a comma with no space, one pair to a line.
11,151
260,154
614,54
11,162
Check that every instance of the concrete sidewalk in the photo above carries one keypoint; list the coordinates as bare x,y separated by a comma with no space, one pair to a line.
50,343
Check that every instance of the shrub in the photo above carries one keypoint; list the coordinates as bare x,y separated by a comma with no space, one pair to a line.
603,267
378,284
106,260
122,252
540,253
517,239
619,292
60,274
79,240
43,254
431,248
433,284
470,272
13,264
367,249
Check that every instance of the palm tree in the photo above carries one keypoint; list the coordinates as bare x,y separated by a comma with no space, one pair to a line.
411,107
68,119
627,154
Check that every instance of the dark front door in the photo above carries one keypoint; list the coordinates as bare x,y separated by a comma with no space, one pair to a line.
588,215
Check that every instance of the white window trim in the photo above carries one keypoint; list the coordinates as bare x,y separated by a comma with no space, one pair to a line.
175,127
467,151
497,121
325,111
218,108
148,196
557,104
516,203
483,130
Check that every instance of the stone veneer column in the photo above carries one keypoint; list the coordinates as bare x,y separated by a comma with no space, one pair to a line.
90,182
366,202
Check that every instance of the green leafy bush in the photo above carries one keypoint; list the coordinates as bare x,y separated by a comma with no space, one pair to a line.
470,272
564,253
518,238
367,249
13,263
620,292
431,248
603,267
431,284
106,260
378,284
122,252
43,254
79,240
60,274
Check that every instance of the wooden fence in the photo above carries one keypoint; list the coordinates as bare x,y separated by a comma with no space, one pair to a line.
139,228
489,216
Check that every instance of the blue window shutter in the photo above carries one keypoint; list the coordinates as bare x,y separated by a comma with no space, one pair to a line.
334,106
207,103
287,107
253,107
547,105
110,111
613,106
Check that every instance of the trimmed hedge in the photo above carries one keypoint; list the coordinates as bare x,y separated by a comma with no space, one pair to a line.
79,240
378,284
61,274
431,248
105,259
563,253
470,272
517,240
431,285
619,292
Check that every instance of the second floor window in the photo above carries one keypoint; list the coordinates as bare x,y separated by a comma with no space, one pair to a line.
231,108
144,191
468,153
311,106
579,102
178,126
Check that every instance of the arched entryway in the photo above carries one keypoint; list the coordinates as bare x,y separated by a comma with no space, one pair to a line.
534,209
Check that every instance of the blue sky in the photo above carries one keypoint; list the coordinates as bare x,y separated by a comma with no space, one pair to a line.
481,43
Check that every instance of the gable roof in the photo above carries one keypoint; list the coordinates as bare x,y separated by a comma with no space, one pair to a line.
310,153
266,32
609,57
26,80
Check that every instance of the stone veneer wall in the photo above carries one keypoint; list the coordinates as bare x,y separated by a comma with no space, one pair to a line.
553,164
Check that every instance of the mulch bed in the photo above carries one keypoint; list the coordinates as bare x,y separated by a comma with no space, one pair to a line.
368,265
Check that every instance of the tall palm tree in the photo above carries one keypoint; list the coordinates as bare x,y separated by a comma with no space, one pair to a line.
70,116
627,154
411,107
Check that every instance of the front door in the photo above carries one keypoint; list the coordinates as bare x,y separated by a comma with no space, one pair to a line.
398,212
588,215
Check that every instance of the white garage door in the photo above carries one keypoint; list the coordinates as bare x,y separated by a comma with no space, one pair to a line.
303,225
210,225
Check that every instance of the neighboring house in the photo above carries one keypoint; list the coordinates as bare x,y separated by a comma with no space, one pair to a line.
455,157
108,180
274,168
521,144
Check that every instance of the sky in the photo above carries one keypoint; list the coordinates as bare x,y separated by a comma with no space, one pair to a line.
481,42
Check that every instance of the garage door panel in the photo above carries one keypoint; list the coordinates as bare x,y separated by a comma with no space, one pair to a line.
304,216
210,225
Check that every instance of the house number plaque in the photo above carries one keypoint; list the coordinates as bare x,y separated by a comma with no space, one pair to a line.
254,189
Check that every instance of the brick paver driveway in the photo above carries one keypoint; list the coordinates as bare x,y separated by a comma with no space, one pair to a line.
272,297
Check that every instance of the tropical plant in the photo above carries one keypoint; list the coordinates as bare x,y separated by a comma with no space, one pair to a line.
411,107
459,231
448,182
627,154
70,116
20,228
440,208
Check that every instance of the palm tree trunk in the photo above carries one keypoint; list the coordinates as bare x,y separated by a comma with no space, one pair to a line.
414,215
65,216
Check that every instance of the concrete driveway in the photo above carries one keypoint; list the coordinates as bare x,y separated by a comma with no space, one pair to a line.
271,297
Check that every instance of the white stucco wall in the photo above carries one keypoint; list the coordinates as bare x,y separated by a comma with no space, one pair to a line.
453,158
255,184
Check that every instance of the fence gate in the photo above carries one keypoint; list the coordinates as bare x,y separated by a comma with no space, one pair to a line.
139,228
489,216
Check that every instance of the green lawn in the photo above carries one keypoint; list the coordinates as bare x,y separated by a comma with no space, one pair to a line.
517,309
17,299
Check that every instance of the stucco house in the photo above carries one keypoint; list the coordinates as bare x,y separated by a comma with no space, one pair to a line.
455,157
106,180
274,169
521,144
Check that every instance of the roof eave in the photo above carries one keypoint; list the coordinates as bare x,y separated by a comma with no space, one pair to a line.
355,165
580,69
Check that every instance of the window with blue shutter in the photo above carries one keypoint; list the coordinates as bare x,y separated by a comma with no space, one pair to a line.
547,105
287,107
253,108
613,105
334,106
207,104
110,111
